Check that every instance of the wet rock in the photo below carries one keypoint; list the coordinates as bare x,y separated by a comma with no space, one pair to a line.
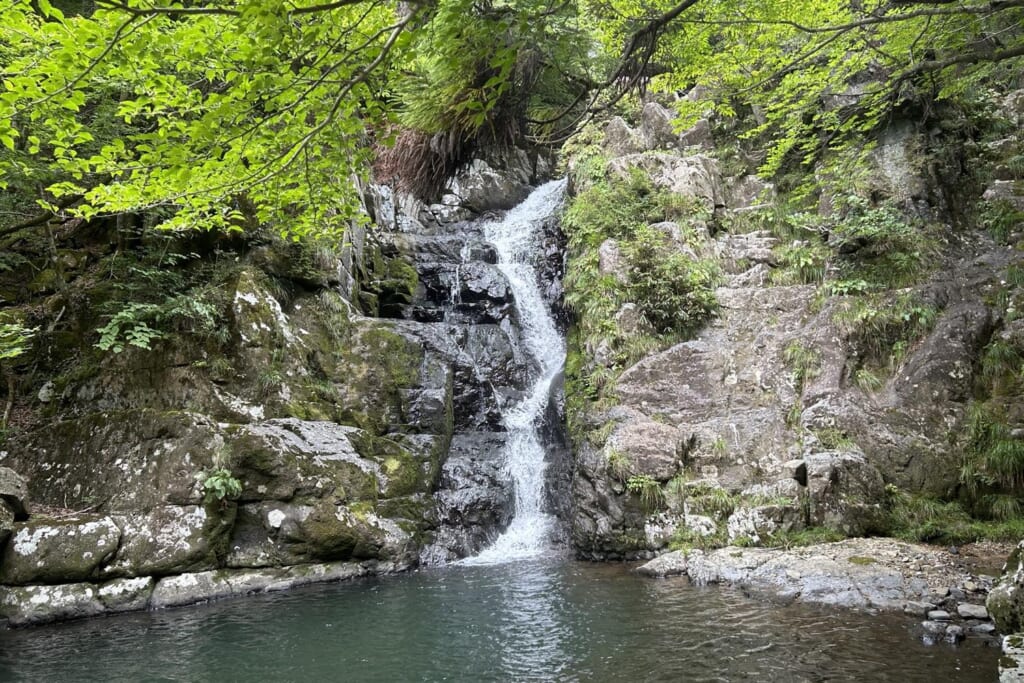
934,628
972,611
475,498
1011,664
126,595
59,551
841,574
669,564
917,608
484,296
939,615
30,605
188,589
954,634
495,184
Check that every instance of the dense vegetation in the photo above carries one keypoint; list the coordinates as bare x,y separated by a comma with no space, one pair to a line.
238,113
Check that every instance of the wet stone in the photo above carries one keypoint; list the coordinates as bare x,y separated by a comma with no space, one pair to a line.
938,615
972,611
954,634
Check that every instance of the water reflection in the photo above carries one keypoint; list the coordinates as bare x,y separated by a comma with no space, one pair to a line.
521,621
532,622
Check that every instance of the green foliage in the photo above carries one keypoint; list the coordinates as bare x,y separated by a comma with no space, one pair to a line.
803,262
876,244
1002,219
868,380
992,466
802,537
673,292
1001,365
834,439
923,519
686,539
619,464
878,323
805,362
130,326
219,485
651,496
704,498
15,339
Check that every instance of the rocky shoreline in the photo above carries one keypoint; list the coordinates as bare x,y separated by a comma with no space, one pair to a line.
946,588
41,604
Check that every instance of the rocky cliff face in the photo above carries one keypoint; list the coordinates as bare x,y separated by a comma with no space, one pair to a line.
821,387
354,393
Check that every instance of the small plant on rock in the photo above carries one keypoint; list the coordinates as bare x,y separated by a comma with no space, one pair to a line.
649,490
219,485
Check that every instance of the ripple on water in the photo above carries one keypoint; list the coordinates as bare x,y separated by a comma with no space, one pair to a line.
522,621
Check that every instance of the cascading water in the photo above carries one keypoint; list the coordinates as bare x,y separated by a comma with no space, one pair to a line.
515,238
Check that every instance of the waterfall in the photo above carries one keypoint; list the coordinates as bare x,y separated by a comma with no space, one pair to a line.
516,238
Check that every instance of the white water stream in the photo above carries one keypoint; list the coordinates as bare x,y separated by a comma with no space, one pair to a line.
516,238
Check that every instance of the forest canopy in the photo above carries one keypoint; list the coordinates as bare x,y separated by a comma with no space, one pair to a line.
231,114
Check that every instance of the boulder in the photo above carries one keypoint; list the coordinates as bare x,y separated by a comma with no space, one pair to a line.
171,539
620,139
845,492
611,261
59,550
482,187
669,564
1005,602
649,447
14,493
31,605
698,135
694,176
656,127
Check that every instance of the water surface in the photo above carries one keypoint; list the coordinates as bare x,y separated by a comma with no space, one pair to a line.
520,621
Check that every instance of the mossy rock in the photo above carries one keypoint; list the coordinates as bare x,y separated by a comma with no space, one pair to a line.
290,459
127,460
66,550
333,532
402,471
173,540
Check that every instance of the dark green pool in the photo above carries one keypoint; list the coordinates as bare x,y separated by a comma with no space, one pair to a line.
524,621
